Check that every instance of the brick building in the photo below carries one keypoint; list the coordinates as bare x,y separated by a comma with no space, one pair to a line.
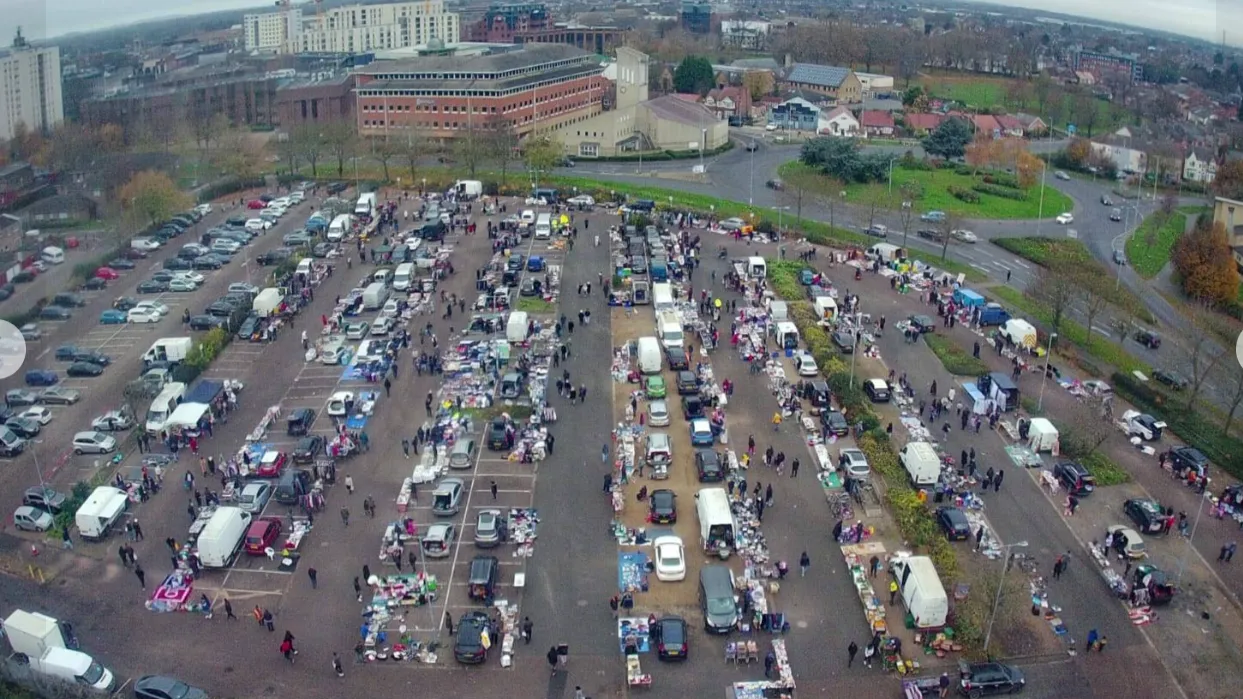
532,23
317,100
245,97
532,87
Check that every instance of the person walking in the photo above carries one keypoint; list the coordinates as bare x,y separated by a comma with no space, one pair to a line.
527,627
804,562
449,622
142,575
794,469
358,589
66,542
604,454
893,591
770,660
874,566
578,693
268,621
349,484
868,651
287,650
852,650
405,447
1057,568
336,665
228,610
552,658
1230,551
997,480
345,516
492,487
313,574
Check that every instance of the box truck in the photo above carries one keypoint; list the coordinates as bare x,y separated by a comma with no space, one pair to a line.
516,327
100,511
374,296
39,641
468,189
169,350
923,595
222,536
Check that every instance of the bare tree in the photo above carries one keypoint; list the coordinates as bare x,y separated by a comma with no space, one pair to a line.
341,142
1236,393
287,149
1083,429
308,143
384,151
413,149
1204,355
470,149
799,186
948,225
831,192
500,143
1095,292
875,200
1055,289
907,214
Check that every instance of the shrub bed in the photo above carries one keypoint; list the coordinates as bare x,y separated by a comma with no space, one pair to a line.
1002,180
957,361
965,195
202,354
992,190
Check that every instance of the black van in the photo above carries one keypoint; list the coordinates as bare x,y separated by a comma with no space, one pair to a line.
294,483
432,231
485,573
299,422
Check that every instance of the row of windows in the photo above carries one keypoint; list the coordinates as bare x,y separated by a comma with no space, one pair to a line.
521,120
489,75
543,96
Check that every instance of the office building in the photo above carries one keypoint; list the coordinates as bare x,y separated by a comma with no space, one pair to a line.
351,29
271,31
532,23
1100,64
30,88
696,17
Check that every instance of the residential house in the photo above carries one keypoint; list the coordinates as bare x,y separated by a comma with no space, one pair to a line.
1032,125
728,102
984,123
1199,167
795,114
1229,213
751,35
840,85
1011,126
876,123
1124,157
839,122
921,123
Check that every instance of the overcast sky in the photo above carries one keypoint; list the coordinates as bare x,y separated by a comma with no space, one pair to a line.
1203,19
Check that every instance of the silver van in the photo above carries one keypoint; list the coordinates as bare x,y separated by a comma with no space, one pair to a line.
717,600
463,454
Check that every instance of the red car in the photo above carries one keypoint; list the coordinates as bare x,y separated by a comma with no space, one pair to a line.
262,535
256,204
107,273
271,464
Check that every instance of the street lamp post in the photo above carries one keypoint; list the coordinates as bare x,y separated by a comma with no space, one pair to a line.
703,145
906,220
1182,562
854,339
751,196
1001,581
1040,214
1048,354
891,161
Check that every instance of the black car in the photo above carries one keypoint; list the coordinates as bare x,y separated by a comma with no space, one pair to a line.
1189,458
337,187
321,250
205,322
954,523
125,303
207,262
663,506
92,356
26,275
688,383
677,358
120,263
299,422
930,234
692,407
177,264
835,422
468,645
95,284
708,466
23,427
499,436
308,448
986,679
55,313
274,257
638,265
6,291
1170,378
162,687
250,330
67,353
162,275
845,341
1148,515
671,638
1074,478
924,324
151,286
220,309
84,369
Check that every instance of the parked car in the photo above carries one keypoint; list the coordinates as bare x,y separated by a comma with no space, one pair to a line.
26,429
55,313
490,528
856,464
143,315
670,557
44,498
984,679
953,523
877,390
1065,219
672,638
1148,515
663,506
1074,478
254,497
112,317
20,397
262,535
439,540
58,395
86,369
468,647
708,467
40,415
1170,378
41,377
845,341
447,497
112,421
32,519
151,286
93,443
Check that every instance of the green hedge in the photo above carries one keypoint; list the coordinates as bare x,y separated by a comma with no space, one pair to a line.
957,361
965,195
229,185
1002,180
1223,450
1004,192
783,278
202,354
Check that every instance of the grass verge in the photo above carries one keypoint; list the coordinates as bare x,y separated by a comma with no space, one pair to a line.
534,304
957,361
935,185
1091,343
1148,250
1106,471
1072,254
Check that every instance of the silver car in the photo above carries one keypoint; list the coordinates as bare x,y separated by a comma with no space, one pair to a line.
489,529
447,498
439,540
856,463
255,496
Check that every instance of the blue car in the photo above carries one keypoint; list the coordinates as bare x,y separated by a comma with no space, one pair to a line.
112,317
701,433
41,377
535,264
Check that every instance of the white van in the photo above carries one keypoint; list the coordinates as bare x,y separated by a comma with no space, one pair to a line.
164,405
543,227
222,537
921,463
339,227
662,297
716,520
669,329
366,205
516,327
923,595
649,355
757,268
403,277
304,267
52,255
97,515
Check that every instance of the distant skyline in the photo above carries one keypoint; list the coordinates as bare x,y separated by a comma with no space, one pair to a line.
44,19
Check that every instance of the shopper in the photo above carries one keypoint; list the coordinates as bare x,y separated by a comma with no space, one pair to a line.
804,562
336,665
527,627
851,651
142,575
312,574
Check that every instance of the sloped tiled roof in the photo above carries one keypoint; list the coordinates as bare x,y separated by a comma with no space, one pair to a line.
839,112
926,122
1009,123
876,119
824,76
672,108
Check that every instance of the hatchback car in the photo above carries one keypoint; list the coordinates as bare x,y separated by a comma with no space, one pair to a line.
439,540
1170,378
151,286
181,285
19,397
299,422
834,423
701,433
708,466
113,317
855,463
41,377
984,679
84,369
1148,515
954,523
1074,478
468,646
663,506
23,427
144,315
254,497
677,358
490,528
93,443
1132,543
208,262
112,421
55,313
658,413
447,498
671,638
692,407
655,387
670,557
270,464
308,448
877,390
32,519
262,535
44,498
205,322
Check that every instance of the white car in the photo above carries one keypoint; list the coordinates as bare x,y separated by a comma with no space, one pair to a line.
203,209
357,331
806,365
255,496
93,443
145,315
296,197
243,288
528,216
390,309
195,277
1061,175
279,203
337,403
582,200
32,519
155,306
670,559
371,350
1065,219
277,211
383,326
658,413
112,421
179,284
770,127
1134,542
733,224
38,414
145,244
257,225
856,461
965,236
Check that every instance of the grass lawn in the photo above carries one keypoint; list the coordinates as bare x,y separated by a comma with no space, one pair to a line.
1068,253
534,304
957,360
1106,471
936,196
1148,249
987,92
1092,343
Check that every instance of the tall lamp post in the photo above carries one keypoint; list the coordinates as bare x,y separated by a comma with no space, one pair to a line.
891,161
751,196
1001,581
703,145
1040,214
1048,354
854,340
1182,561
